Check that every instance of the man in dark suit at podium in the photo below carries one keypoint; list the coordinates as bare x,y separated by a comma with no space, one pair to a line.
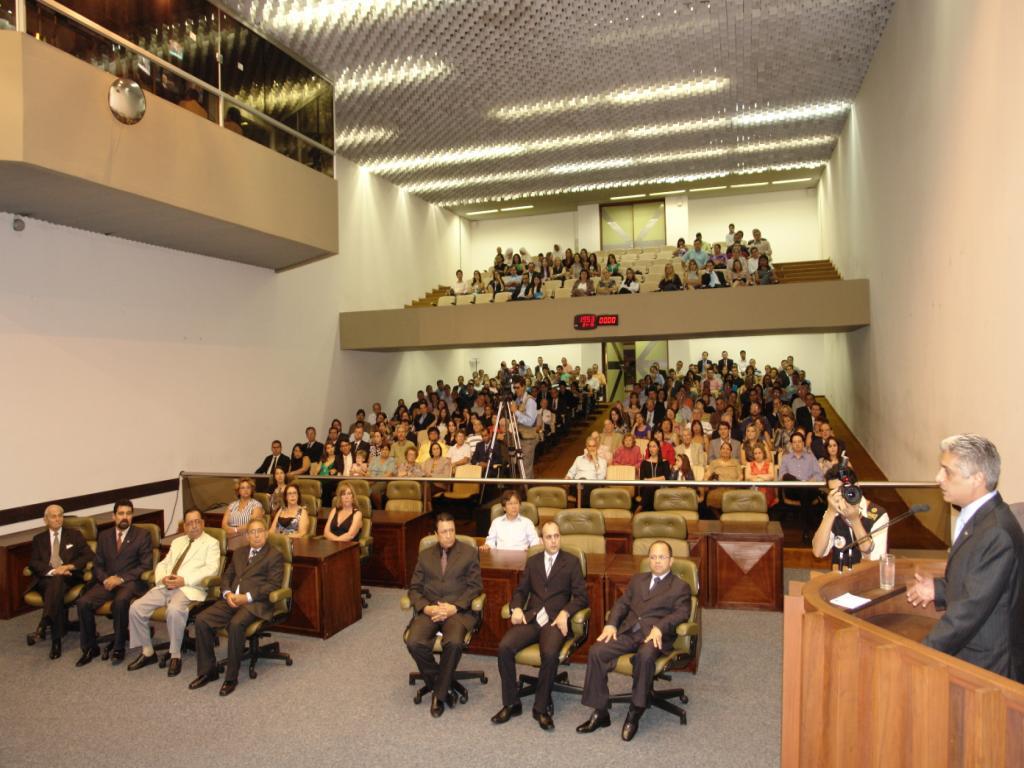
123,554
983,590
550,591
58,560
643,621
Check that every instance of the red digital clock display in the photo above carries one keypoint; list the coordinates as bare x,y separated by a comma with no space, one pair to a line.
590,322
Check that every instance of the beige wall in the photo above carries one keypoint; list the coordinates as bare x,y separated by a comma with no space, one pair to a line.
535,233
923,197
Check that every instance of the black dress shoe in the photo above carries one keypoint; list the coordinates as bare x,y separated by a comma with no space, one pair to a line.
507,713
55,650
632,723
87,655
436,706
202,680
599,719
228,687
450,698
117,656
142,661
174,667
544,720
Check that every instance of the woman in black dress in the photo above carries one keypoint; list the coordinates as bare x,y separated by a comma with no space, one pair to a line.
653,467
346,520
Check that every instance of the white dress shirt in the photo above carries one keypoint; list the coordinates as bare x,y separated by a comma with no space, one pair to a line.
967,512
518,533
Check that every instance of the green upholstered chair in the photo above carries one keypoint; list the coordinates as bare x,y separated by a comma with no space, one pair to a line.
404,496
360,486
365,549
614,503
579,627
107,641
583,529
683,654
649,527
548,499
210,582
679,499
744,506
526,509
476,608
87,527
309,497
281,600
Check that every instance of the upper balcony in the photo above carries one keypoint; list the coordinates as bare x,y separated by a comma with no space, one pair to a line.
243,171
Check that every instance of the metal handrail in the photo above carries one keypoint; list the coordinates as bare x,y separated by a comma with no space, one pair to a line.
114,37
564,481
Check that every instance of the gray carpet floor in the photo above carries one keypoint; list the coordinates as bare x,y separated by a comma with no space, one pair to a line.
347,701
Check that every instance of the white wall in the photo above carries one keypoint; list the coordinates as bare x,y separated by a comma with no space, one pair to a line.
677,219
535,233
126,363
927,169
788,219
588,227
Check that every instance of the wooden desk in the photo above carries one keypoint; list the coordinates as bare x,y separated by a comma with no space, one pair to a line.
325,585
16,549
396,540
743,566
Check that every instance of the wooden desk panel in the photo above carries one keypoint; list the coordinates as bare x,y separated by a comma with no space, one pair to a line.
396,540
16,550
744,567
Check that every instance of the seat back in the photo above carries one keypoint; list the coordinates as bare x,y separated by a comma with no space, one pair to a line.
445,301
365,538
360,486
85,525
212,592
745,505
583,529
621,472
613,502
526,509
404,496
264,500
365,506
548,499
431,541
154,538
677,499
649,527
282,545
466,490
309,492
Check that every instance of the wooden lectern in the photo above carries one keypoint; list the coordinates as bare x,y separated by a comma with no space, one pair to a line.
859,688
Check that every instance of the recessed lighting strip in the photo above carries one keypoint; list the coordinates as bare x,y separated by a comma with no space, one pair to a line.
305,14
353,136
388,74
793,181
446,158
623,184
434,185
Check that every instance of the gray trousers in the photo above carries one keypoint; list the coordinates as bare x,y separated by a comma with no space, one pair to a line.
529,449
177,604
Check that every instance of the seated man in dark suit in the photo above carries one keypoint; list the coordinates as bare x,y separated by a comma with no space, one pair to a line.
58,560
253,573
274,460
551,590
123,554
444,583
647,613
312,448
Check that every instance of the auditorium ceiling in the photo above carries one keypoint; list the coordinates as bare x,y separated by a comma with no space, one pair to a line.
506,103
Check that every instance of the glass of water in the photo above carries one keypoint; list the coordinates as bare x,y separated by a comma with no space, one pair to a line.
887,572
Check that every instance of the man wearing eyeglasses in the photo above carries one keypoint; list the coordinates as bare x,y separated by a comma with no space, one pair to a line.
643,621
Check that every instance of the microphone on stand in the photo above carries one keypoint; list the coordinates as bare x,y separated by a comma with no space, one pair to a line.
915,509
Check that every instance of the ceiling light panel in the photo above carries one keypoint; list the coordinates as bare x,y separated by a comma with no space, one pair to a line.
647,77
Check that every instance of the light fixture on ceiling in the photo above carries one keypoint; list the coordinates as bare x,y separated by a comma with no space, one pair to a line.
563,169
626,197
750,184
352,136
516,208
374,77
597,186
620,96
793,181
340,12
673,192
481,213
708,189
516,149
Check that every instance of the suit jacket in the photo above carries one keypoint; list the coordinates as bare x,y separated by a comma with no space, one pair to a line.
724,366
565,589
259,578
362,445
459,585
659,414
284,461
314,452
202,560
135,557
73,549
666,607
983,593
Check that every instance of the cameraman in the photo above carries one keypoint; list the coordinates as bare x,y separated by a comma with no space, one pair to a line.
844,522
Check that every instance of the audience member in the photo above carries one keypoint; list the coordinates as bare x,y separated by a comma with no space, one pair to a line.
583,285
292,520
844,527
671,281
300,462
653,467
345,521
725,468
274,460
627,454
588,466
511,530
800,465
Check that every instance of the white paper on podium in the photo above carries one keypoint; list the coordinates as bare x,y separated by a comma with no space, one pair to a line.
849,601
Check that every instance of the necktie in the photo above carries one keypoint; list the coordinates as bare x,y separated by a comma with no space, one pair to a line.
252,553
654,583
55,561
181,558
548,562
444,561
120,539
273,465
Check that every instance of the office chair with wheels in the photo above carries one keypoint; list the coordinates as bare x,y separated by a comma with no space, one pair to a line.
649,527
583,529
476,608
281,599
107,609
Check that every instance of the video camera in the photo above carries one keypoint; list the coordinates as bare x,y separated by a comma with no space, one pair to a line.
848,483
